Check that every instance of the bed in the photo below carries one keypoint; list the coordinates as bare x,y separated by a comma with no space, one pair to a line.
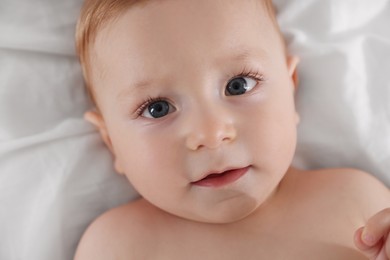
56,175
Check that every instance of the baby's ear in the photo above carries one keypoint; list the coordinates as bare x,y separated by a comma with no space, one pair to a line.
97,120
292,64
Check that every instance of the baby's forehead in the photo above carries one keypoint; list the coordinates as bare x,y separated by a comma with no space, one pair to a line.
177,29
181,23
173,29
148,11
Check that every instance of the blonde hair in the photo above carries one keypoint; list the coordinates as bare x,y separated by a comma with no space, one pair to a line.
96,14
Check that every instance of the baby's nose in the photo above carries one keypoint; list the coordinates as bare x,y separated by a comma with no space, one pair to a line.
210,130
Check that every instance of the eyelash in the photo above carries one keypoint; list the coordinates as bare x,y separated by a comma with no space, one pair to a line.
244,73
254,74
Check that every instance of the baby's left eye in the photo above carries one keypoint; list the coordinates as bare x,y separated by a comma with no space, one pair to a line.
239,86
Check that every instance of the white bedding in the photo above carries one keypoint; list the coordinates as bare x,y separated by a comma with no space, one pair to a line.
55,174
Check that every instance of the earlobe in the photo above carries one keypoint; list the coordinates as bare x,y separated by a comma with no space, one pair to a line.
97,120
118,167
292,64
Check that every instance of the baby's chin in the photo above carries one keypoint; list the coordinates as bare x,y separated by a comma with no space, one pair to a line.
222,214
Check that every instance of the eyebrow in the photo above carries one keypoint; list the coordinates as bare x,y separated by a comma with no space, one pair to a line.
241,53
143,84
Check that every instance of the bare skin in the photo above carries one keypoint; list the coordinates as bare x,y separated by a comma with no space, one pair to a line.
192,89
292,225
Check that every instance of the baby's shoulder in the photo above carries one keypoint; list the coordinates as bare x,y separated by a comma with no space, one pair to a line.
350,188
346,180
339,177
122,231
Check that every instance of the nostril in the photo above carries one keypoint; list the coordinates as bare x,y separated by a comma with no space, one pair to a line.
226,139
210,140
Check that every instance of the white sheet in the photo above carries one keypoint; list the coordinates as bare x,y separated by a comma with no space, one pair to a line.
344,95
55,174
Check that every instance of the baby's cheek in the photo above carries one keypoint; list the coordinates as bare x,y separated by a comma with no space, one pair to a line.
271,137
147,155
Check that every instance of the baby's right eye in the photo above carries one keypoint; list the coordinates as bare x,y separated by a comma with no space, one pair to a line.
156,109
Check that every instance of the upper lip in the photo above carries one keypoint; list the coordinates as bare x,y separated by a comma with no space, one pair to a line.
218,172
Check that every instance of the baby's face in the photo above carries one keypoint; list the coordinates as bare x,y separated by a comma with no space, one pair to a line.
191,88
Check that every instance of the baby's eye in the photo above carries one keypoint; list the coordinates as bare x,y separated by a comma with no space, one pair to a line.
239,86
157,109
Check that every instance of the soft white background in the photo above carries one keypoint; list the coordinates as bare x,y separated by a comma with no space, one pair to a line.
55,174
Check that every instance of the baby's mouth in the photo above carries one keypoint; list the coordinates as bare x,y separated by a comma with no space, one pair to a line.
215,180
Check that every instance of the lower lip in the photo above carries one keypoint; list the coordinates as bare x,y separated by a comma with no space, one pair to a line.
222,179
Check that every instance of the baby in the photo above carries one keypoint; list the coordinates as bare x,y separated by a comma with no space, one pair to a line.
195,100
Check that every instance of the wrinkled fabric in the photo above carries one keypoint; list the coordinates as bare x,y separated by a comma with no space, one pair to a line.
344,92
56,175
